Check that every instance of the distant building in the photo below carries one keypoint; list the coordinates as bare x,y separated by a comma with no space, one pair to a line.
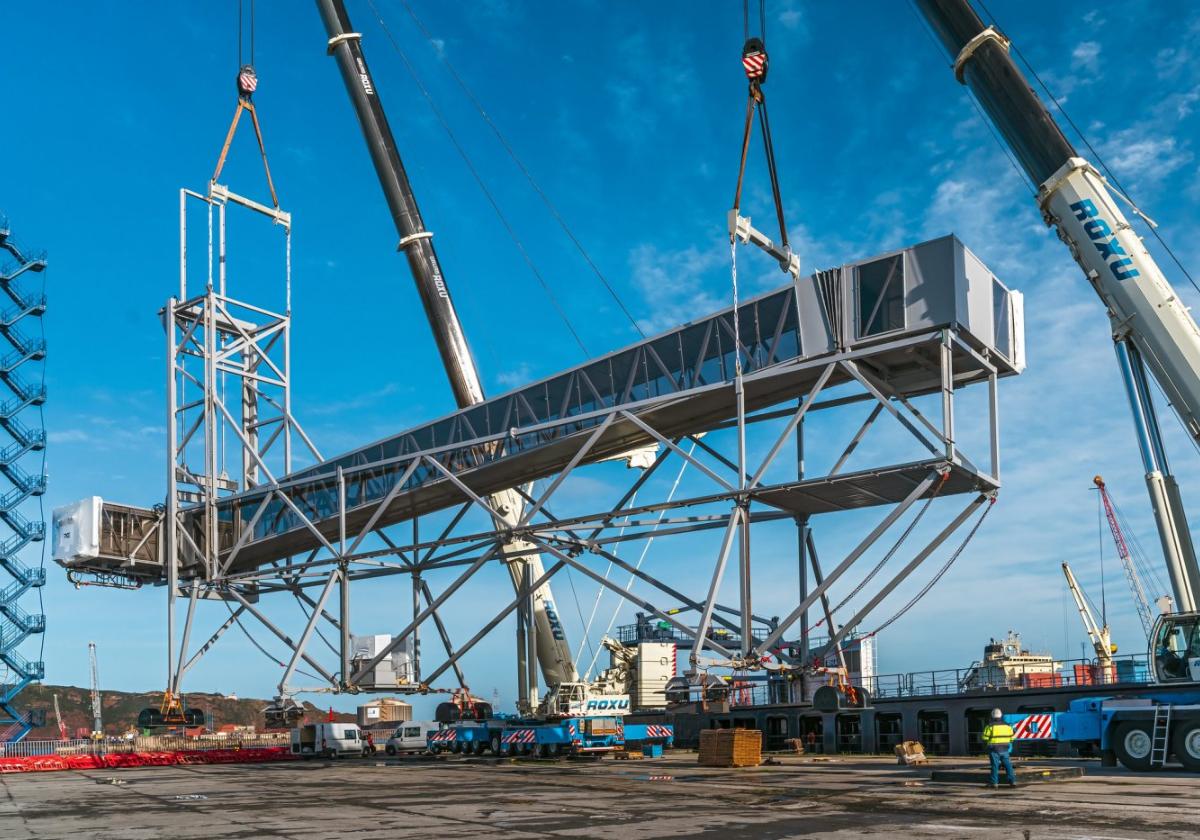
384,713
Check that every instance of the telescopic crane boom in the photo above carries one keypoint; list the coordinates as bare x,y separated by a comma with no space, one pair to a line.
97,723
552,650
1151,326
1099,635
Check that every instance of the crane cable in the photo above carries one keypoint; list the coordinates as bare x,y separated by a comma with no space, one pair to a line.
262,649
642,557
755,63
940,573
1109,176
895,547
487,193
440,51
247,83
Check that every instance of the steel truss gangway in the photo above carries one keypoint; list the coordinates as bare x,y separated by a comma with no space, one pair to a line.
925,320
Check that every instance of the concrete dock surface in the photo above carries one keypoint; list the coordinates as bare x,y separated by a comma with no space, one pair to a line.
837,797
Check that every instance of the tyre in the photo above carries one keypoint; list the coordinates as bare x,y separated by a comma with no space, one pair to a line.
1185,743
495,745
456,747
480,747
331,755
1132,743
390,750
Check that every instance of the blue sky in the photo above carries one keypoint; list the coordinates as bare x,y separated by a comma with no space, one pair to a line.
629,116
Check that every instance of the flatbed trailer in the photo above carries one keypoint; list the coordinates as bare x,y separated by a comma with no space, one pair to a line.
548,739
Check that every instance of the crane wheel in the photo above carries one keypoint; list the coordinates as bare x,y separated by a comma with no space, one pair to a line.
1185,743
1132,742
496,745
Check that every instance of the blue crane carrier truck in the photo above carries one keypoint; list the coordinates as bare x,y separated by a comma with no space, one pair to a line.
1145,731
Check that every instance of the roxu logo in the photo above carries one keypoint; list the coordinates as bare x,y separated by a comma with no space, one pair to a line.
1102,237
556,629
607,705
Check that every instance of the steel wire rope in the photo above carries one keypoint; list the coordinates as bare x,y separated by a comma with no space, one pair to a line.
892,551
262,649
1100,160
558,217
575,597
512,234
308,617
1137,553
942,571
991,129
646,548
600,588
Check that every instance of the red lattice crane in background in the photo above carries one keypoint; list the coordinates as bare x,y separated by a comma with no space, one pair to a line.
1140,603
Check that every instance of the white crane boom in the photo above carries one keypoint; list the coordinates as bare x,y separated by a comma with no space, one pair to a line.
1099,635
62,729
1150,324
97,723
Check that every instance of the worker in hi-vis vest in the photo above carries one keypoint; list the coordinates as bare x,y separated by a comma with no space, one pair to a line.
997,737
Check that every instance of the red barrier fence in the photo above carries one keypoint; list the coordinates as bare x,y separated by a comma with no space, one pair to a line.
42,763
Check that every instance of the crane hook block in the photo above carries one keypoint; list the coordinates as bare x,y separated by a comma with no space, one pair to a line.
754,60
247,81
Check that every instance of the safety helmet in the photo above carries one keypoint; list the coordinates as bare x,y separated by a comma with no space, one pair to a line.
997,714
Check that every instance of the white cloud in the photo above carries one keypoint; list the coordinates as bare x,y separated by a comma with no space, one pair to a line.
793,18
673,283
1143,156
1086,57
69,436
354,403
515,378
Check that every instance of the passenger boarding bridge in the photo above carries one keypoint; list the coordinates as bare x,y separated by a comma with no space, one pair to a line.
882,332
885,315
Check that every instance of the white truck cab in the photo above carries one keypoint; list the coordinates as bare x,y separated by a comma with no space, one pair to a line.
410,736
330,740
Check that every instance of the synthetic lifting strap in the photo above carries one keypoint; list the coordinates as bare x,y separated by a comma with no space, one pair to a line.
754,62
247,83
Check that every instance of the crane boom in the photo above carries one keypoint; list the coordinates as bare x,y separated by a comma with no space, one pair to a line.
1135,583
552,649
97,723
62,729
1099,635
1151,326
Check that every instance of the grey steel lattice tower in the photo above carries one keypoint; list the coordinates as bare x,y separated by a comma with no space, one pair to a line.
17,484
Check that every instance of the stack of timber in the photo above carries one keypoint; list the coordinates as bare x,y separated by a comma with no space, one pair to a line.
730,748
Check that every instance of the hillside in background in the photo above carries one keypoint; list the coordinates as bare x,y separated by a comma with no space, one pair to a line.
119,709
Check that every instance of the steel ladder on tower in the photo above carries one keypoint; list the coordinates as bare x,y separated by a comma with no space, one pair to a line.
1159,735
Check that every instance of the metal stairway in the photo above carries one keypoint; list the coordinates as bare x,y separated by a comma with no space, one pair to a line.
18,484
